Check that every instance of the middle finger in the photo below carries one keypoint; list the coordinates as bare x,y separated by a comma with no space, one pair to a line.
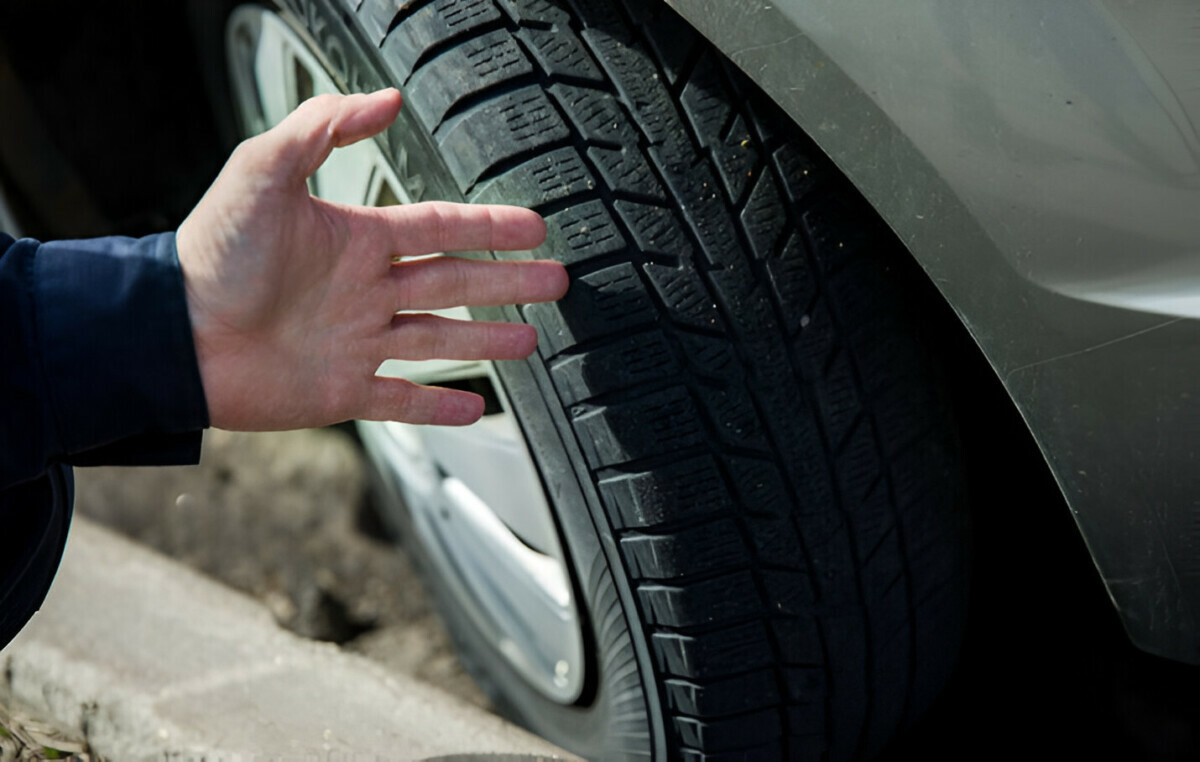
439,282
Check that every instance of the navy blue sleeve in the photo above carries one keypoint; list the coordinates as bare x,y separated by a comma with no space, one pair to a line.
97,362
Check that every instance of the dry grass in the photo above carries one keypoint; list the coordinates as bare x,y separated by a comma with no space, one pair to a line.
23,737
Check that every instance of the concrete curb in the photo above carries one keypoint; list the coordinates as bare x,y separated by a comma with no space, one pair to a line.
146,659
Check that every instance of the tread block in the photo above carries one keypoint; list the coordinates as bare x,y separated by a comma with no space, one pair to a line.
684,295
807,720
799,640
905,404
728,734
638,84
806,685
839,399
914,481
777,387
514,123
732,415
737,157
831,559
793,285
724,598
711,357
690,489
875,541
697,190
561,54
880,555
595,114
790,593
601,16
800,173
535,12
581,232
599,303
772,752
551,177
654,229
625,170
720,653
747,303
462,71
829,236
859,468
734,695
660,422
761,218
711,546
893,657
670,40
817,339
859,289
432,25
375,19
761,111
639,359
848,663
639,12
761,488
776,542
705,101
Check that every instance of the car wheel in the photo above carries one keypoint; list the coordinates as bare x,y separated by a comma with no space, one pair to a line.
720,512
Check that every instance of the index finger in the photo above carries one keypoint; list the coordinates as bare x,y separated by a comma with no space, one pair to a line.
441,226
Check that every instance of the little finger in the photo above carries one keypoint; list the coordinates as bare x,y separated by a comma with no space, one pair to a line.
395,399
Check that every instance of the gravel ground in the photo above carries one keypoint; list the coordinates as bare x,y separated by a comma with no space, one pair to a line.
281,517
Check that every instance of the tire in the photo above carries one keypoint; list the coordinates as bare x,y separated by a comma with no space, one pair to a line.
753,469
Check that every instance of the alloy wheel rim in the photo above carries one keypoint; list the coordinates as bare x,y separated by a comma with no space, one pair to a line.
473,493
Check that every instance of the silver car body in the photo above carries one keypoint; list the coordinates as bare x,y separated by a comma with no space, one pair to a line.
1040,159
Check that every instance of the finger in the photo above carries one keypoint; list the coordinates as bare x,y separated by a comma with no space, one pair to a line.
306,137
395,399
442,226
432,284
429,337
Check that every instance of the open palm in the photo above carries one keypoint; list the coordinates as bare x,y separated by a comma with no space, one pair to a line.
293,299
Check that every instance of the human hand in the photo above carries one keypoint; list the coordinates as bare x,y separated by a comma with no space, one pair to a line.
293,298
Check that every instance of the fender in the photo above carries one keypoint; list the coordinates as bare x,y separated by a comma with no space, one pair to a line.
1042,164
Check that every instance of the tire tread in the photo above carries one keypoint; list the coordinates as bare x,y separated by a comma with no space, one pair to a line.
704,360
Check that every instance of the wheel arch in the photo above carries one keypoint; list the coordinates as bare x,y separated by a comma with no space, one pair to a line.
1061,322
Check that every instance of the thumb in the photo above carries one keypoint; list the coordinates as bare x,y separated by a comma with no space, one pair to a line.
304,140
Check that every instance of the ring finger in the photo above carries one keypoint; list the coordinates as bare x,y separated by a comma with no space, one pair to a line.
418,336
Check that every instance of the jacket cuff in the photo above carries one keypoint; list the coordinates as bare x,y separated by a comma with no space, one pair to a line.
118,355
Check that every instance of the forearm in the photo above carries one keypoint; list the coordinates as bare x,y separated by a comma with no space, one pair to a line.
97,365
